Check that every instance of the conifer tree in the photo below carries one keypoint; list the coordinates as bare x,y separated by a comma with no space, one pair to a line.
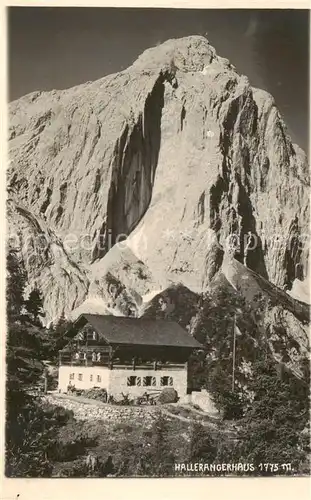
34,306
15,284
26,437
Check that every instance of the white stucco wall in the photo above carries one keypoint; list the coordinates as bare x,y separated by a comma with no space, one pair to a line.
118,381
86,382
115,381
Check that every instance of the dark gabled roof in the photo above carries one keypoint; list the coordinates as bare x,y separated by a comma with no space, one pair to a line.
140,331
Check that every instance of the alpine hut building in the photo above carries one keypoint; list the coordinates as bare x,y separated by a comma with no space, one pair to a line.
125,355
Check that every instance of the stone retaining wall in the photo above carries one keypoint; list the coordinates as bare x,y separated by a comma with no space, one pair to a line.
109,413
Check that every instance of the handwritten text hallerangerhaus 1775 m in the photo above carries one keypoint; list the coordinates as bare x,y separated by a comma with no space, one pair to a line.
232,467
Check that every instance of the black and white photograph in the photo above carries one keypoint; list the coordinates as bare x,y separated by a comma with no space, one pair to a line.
157,243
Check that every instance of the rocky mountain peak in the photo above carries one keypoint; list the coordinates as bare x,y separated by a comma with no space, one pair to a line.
139,179
189,54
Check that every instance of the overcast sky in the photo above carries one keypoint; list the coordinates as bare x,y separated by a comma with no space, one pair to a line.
56,48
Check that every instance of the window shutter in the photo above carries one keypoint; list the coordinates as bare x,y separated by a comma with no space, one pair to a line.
153,381
170,381
138,381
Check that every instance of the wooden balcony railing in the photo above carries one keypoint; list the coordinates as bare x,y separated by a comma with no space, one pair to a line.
119,364
85,348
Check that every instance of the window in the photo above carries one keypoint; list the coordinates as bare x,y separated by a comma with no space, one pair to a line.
167,381
131,381
149,381
99,379
91,334
71,376
98,356
84,356
77,355
93,356
80,376
91,378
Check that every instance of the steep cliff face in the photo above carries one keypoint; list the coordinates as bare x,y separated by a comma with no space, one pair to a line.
49,267
175,153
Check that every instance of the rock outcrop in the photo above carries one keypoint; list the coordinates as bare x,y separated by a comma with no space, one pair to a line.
279,321
268,318
168,157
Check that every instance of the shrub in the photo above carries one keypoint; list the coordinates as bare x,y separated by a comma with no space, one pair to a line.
141,274
71,443
161,456
58,415
75,469
202,445
123,427
231,404
66,452
95,393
